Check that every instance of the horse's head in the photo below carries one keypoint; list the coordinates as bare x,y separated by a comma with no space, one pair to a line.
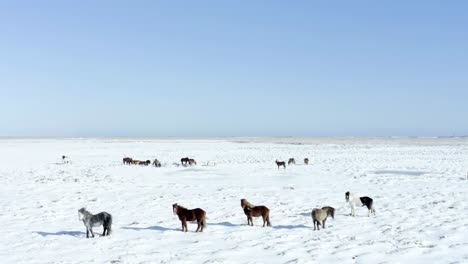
243,203
347,194
81,213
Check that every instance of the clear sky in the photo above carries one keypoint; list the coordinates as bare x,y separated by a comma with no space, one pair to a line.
233,68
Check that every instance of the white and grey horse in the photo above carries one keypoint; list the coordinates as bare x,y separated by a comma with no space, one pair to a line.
354,201
90,221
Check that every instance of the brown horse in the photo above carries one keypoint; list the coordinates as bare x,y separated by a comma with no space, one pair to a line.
127,160
280,163
255,211
144,163
185,215
192,162
291,161
306,161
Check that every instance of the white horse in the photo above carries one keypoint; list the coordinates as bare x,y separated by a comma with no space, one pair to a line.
355,200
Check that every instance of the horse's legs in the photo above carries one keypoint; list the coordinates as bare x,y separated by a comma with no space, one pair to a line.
323,223
184,223
87,233
104,232
91,230
264,220
198,226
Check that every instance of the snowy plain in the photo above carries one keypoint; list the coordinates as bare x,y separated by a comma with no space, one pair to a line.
419,187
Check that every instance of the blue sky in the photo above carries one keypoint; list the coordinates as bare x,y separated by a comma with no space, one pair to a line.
233,68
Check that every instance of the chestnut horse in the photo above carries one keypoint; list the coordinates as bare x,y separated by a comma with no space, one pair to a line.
185,215
251,210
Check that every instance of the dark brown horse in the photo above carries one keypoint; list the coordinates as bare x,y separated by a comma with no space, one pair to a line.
291,161
280,163
185,215
144,163
192,162
306,161
184,161
255,211
127,160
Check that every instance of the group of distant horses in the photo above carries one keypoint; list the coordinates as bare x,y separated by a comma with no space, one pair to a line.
291,161
319,215
130,161
191,162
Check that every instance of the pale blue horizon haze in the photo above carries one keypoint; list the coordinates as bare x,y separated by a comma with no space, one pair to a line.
233,68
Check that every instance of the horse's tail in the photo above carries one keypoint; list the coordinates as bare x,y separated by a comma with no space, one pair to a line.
203,222
109,225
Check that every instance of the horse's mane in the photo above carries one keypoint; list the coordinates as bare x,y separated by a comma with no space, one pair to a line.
180,206
246,204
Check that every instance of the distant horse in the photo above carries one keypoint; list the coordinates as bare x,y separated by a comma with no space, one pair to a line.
251,210
185,215
144,163
280,163
192,162
127,160
306,161
355,200
90,221
291,161
156,163
184,161
65,159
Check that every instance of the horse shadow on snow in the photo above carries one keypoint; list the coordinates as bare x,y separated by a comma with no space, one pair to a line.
62,233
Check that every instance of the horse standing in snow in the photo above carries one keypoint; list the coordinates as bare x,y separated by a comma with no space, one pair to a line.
185,215
319,217
280,163
184,161
306,161
251,210
157,163
355,201
127,160
90,221
65,159
291,161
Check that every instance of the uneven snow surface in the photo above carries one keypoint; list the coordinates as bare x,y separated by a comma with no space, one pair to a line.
419,188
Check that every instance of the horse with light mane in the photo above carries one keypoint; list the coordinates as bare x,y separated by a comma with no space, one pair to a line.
251,210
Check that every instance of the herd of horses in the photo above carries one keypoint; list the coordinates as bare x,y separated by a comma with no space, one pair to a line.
130,161
291,161
191,162
319,215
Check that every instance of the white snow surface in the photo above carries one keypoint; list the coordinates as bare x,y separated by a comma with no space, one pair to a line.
419,187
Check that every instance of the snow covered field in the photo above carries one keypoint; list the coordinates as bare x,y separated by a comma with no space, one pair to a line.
419,188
